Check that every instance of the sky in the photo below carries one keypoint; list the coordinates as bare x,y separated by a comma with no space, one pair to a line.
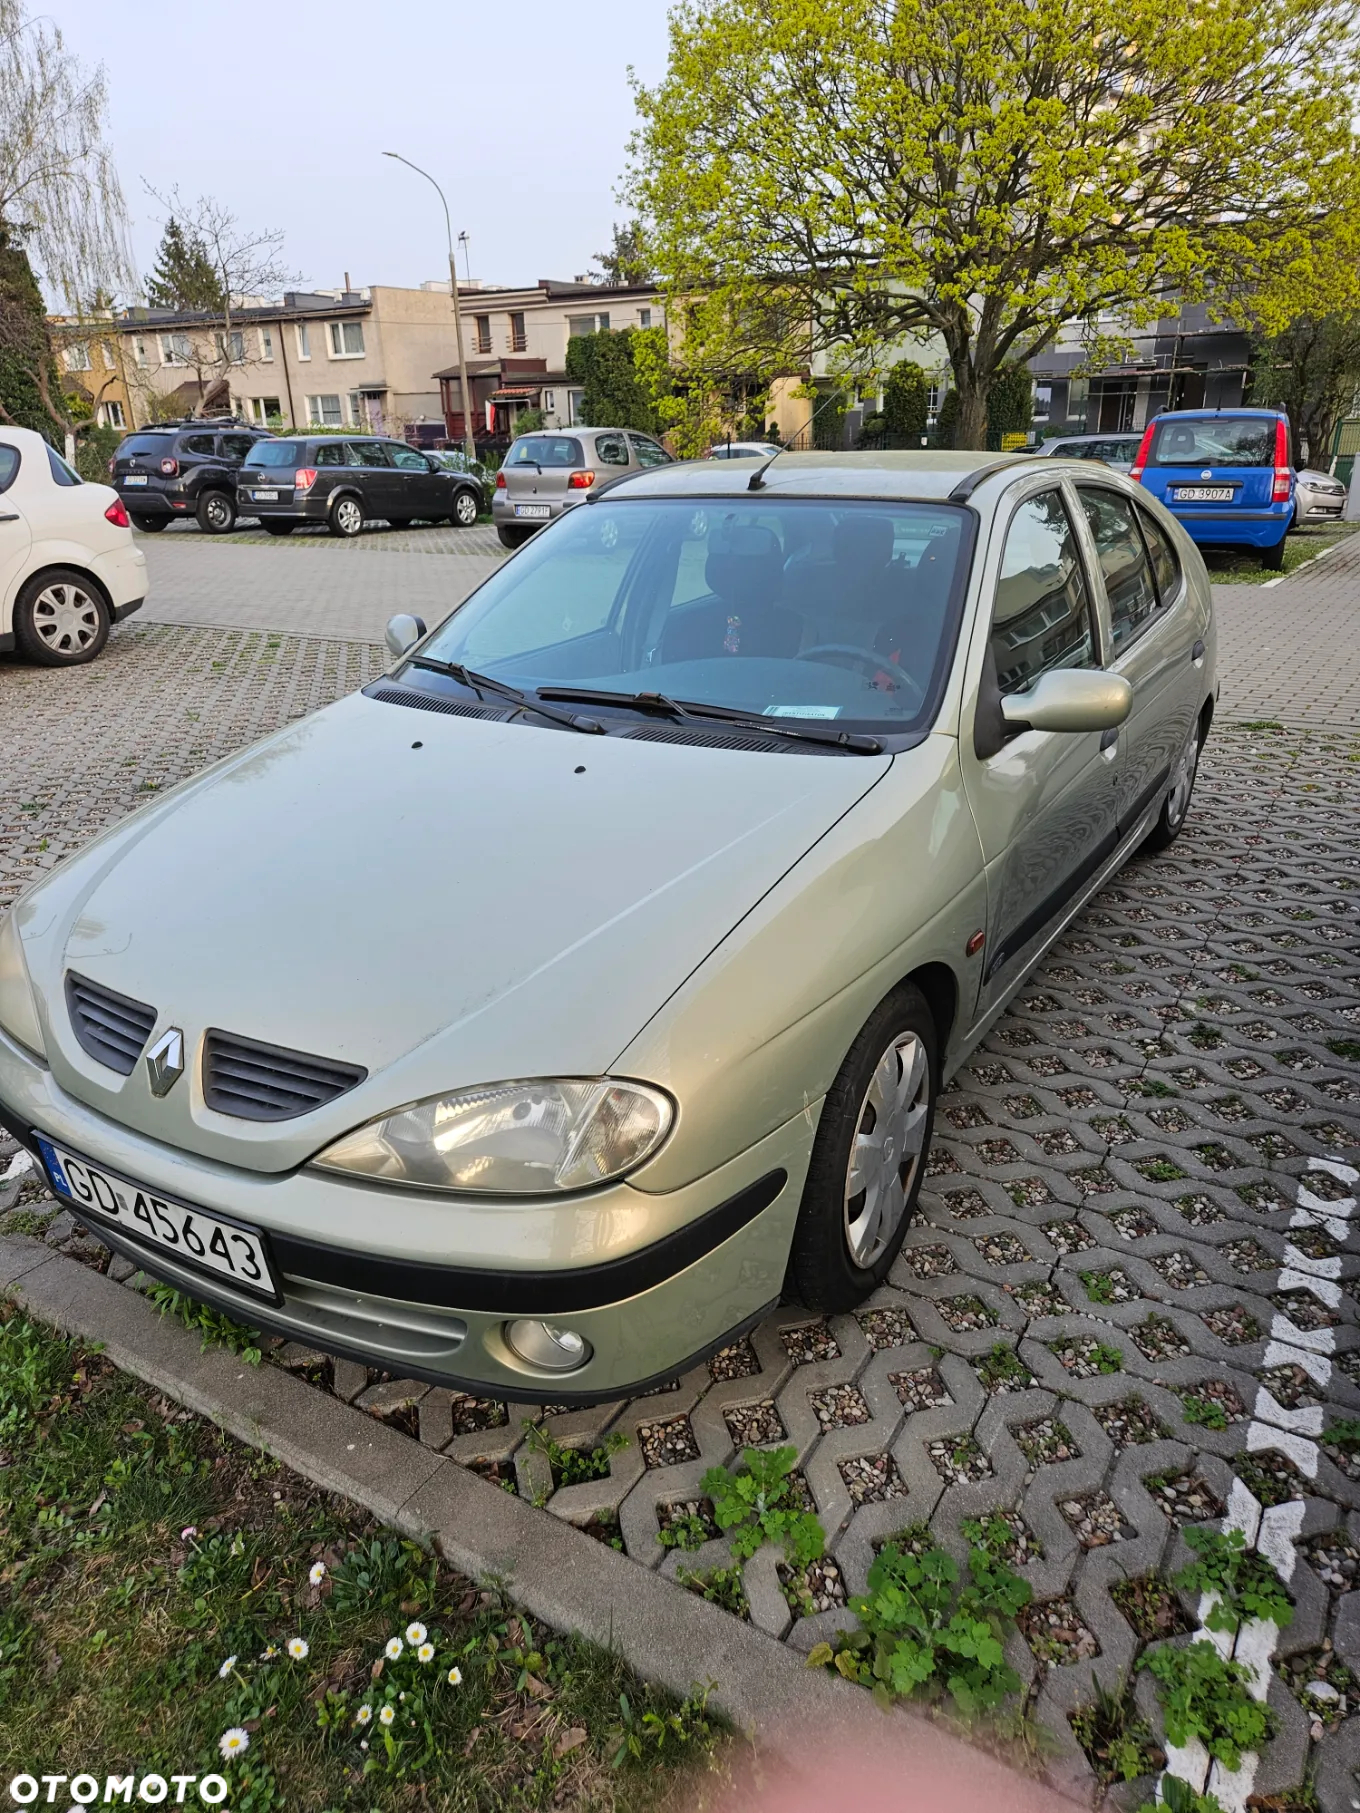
520,111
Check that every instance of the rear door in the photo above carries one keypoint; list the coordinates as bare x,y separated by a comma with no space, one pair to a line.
648,452
382,489
15,536
538,469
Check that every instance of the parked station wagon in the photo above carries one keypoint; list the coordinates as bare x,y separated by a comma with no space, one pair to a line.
535,1019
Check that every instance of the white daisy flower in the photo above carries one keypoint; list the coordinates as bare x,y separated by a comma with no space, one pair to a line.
415,1634
425,1653
190,1529
226,1668
394,1648
455,1677
234,1742
386,1716
269,1651
363,1715
318,1573
298,1648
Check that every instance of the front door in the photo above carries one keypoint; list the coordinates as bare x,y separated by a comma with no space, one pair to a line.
15,536
1043,801
378,482
424,492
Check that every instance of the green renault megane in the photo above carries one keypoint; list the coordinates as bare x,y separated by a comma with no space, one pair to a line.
536,1018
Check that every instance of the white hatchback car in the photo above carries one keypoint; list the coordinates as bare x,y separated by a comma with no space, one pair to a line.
68,565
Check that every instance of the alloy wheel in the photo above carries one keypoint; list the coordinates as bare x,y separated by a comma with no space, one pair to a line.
349,516
66,619
465,510
889,1135
1182,782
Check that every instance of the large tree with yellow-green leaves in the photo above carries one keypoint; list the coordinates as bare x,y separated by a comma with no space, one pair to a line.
845,174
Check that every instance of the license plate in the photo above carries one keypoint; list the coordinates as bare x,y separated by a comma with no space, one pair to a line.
135,478
202,1242
265,497
537,510
1202,494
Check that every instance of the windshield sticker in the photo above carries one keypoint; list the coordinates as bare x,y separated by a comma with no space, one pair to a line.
802,711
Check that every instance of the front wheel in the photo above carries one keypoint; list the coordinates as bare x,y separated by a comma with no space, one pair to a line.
1176,805
60,620
1272,559
466,509
216,513
150,525
513,538
868,1158
347,518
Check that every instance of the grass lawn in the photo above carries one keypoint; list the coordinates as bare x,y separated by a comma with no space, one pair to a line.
162,1586
1242,566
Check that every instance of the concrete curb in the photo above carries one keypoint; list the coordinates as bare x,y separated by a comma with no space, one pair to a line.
554,1571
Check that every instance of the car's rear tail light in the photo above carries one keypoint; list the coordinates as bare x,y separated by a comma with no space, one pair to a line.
1284,477
170,467
117,515
304,478
1140,459
500,481
580,481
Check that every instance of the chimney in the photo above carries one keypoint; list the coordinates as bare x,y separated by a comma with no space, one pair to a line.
348,285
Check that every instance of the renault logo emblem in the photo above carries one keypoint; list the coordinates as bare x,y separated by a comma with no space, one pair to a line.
165,1061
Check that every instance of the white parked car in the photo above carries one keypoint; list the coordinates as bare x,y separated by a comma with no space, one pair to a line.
1318,497
68,565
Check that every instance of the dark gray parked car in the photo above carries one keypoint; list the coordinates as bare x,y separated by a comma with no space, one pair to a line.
345,481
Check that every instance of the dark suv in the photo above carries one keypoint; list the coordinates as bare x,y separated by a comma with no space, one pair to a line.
183,469
345,481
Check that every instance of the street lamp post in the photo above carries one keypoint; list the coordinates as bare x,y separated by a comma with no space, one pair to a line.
469,444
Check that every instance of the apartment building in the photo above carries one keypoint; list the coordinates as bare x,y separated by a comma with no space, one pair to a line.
89,353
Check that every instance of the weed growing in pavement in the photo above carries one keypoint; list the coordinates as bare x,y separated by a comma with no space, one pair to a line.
573,1466
1203,1696
1108,1359
1119,1745
920,1633
688,1531
720,1586
1099,1287
216,1329
1208,1413
1179,1797
1347,1049
1002,1368
1344,1433
758,1504
1246,1584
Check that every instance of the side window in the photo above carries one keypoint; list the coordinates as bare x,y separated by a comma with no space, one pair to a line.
1042,615
9,464
1123,561
62,474
611,450
648,453
369,453
198,443
409,460
331,453
237,446
1166,569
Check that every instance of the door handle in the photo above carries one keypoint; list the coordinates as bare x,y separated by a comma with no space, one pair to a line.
1197,652
1109,739
9,516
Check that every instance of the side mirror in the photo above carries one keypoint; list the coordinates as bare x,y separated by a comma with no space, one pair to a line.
403,632
1069,698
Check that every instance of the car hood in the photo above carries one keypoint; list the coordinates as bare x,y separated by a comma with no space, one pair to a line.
441,901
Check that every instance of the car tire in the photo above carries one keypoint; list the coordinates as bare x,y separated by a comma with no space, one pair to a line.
60,619
1176,806
467,507
513,538
278,528
149,525
346,517
847,1237
1272,559
216,513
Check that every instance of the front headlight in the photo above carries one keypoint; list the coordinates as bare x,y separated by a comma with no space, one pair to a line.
511,1139
18,1011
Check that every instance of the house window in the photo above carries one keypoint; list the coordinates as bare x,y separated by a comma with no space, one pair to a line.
325,412
304,340
140,352
267,345
587,324
1043,401
483,324
934,397
548,402
644,317
264,409
358,415
518,338
232,347
77,356
106,354
175,349
111,415
347,339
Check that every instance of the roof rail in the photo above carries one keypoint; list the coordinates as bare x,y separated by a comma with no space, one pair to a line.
969,484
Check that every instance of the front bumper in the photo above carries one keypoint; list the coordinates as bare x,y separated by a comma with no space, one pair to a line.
647,1311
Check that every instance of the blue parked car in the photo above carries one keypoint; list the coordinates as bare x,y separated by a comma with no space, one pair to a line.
1225,474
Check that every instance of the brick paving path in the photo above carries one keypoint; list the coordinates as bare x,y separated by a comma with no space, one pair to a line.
1139,1208
1292,651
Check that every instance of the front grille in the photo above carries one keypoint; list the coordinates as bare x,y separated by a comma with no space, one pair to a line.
430,701
257,1082
111,1027
729,739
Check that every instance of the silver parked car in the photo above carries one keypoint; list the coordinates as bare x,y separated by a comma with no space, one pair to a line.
548,472
1117,450
536,1018
1318,497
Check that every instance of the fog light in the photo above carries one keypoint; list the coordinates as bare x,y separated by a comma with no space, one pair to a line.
542,1345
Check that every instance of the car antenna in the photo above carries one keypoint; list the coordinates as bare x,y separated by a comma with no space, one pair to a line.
757,479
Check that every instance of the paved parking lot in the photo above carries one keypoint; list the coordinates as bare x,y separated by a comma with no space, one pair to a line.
1132,1297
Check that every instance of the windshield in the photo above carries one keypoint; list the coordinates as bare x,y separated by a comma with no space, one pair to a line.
1215,441
546,450
797,609
274,453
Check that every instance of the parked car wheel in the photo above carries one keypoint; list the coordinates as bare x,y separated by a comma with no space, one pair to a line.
466,509
216,513
513,538
60,620
868,1158
1272,559
150,525
278,528
346,518
1176,805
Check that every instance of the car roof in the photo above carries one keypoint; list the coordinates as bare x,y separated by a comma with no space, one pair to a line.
1209,415
1113,434
922,477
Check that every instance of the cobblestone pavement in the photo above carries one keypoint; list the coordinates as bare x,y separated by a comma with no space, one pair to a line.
1130,1301
1292,652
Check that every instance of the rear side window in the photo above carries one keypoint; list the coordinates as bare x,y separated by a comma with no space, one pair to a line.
1042,617
547,450
331,453
1165,567
1216,441
144,443
611,450
198,443
9,464
1123,561
62,474
274,453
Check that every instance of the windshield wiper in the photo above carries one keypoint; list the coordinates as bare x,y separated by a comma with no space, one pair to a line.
482,684
682,709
